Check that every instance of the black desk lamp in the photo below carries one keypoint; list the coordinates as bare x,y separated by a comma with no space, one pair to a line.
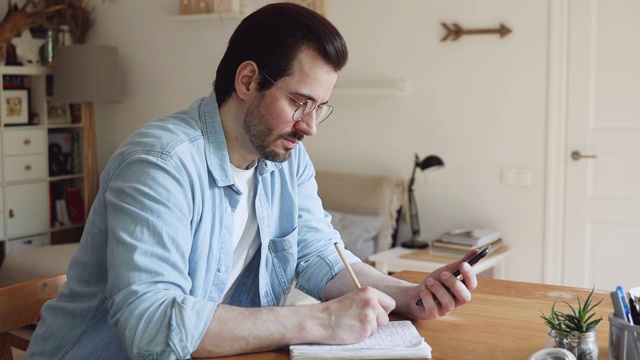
431,162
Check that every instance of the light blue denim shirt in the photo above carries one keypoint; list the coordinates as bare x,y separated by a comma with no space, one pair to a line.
156,251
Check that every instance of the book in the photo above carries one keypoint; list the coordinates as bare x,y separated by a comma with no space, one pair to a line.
397,340
477,237
439,247
75,205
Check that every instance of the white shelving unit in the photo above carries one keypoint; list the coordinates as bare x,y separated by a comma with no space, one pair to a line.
25,216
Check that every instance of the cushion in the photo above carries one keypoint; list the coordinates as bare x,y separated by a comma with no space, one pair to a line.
362,194
358,232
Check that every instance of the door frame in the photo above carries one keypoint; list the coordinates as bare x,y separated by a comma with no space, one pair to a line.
556,146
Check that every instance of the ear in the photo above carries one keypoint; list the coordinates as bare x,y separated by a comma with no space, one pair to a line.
247,77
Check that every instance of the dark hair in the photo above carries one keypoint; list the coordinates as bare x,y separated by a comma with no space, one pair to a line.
272,37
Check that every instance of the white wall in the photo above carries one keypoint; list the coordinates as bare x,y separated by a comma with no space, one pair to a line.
479,103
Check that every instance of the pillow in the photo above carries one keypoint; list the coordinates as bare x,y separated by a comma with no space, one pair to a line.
358,232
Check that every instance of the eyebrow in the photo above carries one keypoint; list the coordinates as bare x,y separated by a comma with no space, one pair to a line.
309,97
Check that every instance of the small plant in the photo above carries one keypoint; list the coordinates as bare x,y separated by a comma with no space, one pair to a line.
574,330
577,321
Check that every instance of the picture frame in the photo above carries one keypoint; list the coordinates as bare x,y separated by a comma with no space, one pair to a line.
58,113
15,107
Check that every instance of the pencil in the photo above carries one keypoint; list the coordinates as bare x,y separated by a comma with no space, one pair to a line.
346,264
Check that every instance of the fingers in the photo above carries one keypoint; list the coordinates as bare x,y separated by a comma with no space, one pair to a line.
469,276
361,312
442,293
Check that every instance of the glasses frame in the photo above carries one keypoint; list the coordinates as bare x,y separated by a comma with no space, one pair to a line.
302,104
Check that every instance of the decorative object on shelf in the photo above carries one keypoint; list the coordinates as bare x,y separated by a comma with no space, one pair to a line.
75,110
315,5
186,7
17,20
58,113
75,15
429,163
202,7
88,74
47,50
226,6
455,31
15,107
574,331
64,36
27,48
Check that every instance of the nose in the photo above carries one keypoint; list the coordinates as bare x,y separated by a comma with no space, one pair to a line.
308,125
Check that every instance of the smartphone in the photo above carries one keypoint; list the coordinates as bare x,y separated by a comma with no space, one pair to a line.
484,252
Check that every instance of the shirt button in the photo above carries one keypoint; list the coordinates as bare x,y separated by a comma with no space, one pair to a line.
221,269
227,210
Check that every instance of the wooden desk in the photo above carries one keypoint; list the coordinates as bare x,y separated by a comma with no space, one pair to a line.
501,322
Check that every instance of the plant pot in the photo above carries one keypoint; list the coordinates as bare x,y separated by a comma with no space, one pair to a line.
583,346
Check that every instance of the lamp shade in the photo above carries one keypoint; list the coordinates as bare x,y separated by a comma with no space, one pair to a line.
87,73
430,163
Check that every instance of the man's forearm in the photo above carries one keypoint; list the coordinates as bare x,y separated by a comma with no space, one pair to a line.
343,320
237,330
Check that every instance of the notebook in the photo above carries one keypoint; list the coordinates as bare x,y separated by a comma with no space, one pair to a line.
397,340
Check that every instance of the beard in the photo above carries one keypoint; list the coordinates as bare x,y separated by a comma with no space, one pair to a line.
262,134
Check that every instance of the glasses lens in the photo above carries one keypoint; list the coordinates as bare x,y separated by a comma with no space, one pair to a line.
305,108
323,113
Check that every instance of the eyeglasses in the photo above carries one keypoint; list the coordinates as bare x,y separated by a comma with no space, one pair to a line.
305,107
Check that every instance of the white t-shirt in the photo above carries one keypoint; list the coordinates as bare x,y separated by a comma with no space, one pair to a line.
245,231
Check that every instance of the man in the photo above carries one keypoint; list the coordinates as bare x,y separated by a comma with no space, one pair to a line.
204,218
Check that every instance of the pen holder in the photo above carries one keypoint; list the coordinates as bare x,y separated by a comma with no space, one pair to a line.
624,339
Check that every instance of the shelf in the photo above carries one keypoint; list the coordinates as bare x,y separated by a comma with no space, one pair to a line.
21,127
64,126
380,87
205,17
65,177
25,70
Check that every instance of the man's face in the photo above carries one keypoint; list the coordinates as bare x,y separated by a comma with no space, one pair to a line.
268,122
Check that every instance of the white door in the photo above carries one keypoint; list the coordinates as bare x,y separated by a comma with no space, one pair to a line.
602,223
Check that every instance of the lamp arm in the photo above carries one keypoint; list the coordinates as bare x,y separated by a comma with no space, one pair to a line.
413,215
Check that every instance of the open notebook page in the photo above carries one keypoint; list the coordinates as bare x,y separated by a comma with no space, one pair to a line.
399,339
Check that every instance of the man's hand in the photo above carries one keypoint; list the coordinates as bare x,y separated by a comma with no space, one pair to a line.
355,316
434,285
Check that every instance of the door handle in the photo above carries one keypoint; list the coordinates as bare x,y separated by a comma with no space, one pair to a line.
576,155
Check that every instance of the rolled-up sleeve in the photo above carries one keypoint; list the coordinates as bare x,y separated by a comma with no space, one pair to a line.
318,260
150,293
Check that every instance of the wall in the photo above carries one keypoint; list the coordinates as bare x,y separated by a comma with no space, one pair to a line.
479,103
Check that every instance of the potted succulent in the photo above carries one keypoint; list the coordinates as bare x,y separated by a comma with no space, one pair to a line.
574,330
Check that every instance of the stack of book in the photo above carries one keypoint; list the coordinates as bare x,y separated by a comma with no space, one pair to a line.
461,241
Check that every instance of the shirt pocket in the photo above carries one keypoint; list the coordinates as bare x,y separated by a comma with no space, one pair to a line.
284,256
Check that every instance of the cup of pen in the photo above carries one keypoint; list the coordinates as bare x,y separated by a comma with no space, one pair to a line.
624,338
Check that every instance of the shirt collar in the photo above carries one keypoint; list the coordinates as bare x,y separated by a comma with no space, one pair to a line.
216,145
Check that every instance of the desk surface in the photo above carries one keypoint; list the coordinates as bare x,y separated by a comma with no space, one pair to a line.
501,322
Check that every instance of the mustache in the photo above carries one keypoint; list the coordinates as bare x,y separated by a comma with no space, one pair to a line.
297,135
